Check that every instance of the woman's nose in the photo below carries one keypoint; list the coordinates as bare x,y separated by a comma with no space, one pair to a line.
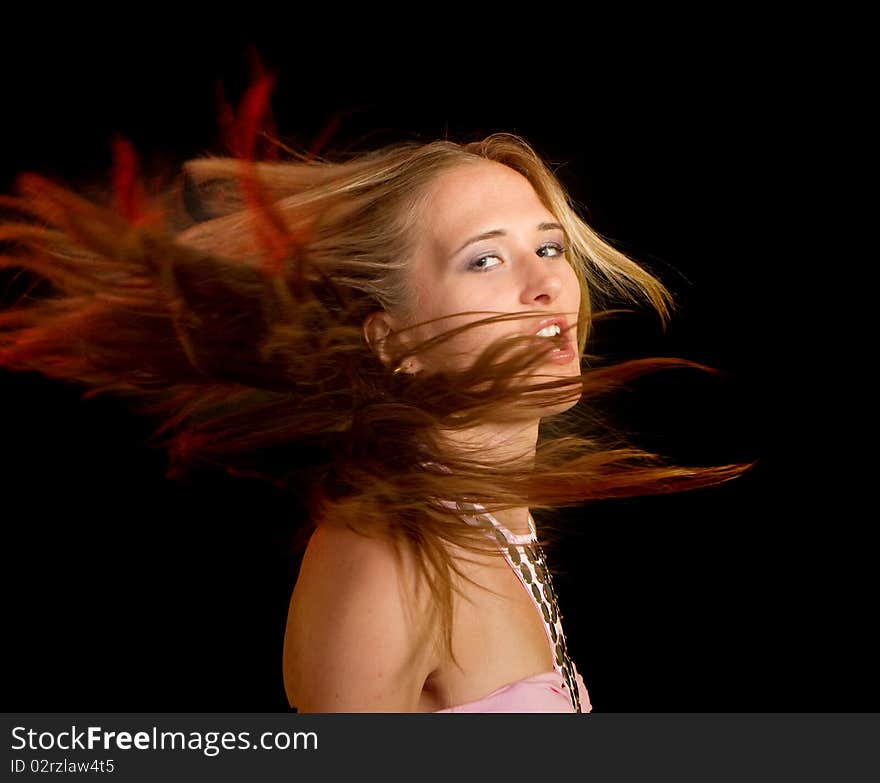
542,282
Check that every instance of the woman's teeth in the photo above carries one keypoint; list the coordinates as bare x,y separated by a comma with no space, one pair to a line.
549,331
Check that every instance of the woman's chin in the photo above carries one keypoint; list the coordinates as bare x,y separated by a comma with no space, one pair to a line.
549,402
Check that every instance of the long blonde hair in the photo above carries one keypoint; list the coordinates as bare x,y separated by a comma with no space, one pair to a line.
230,303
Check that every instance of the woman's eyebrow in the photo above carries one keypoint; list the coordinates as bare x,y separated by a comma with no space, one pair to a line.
500,232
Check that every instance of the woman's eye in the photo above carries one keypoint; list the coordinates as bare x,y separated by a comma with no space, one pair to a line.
477,265
560,250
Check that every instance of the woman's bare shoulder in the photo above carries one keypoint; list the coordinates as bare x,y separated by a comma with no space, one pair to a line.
354,639
346,559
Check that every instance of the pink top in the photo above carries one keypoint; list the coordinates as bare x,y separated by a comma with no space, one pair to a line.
560,690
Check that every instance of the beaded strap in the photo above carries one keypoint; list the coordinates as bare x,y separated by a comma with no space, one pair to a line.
527,559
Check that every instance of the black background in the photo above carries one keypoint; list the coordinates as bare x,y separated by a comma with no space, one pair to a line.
126,592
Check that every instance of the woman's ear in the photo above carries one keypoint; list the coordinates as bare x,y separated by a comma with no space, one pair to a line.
377,329
385,340
380,332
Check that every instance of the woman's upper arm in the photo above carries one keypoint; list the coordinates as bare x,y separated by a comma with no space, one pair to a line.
352,644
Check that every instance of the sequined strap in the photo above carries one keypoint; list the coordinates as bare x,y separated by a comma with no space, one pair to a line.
526,557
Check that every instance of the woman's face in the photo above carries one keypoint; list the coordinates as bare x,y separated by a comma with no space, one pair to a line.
520,267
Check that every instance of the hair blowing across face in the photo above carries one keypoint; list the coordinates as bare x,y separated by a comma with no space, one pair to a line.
229,305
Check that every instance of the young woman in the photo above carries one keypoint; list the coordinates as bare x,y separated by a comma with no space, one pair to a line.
401,334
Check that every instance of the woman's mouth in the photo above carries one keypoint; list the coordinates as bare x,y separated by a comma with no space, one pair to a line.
557,329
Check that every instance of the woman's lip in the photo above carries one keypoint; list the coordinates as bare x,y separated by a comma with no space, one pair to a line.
563,350
562,355
558,320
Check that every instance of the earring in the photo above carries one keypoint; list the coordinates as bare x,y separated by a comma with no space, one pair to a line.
403,367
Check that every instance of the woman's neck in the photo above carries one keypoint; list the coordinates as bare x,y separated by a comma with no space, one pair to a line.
499,444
